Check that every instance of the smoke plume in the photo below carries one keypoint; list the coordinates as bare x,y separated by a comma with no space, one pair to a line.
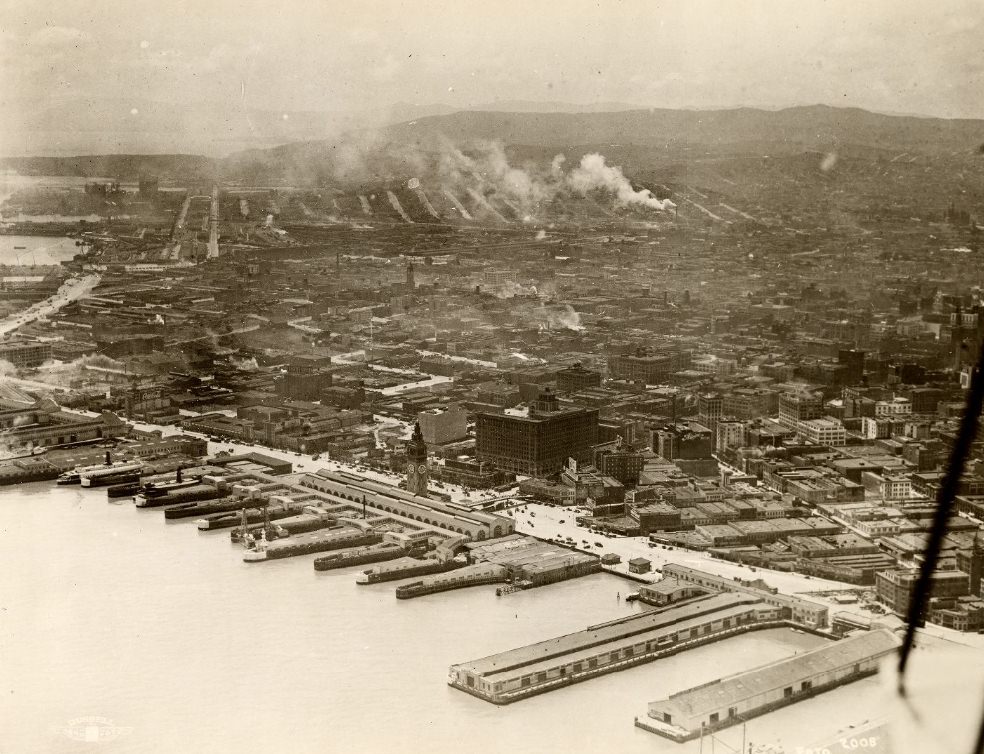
594,175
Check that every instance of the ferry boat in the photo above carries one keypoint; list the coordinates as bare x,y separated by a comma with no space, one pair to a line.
121,471
178,497
74,476
152,489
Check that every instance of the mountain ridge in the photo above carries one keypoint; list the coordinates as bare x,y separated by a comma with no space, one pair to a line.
659,133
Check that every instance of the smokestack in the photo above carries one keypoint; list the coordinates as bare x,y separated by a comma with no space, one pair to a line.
107,458
177,475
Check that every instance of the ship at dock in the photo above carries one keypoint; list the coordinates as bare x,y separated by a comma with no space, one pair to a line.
123,489
249,515
224,504
187,493
469,575
151,490
323,540
121,472
378,553
110,472
311,519
405,568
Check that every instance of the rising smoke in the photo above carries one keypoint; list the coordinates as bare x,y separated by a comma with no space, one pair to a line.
68,373
594,175
478,173
486,171
244,365
558,317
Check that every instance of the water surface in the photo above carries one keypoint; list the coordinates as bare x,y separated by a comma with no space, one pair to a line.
107,612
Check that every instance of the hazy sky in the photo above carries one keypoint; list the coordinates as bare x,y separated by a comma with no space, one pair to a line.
334,55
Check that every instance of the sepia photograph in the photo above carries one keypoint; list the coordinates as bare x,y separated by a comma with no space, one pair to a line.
510,377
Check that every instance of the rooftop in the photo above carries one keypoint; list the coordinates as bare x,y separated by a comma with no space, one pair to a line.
720,694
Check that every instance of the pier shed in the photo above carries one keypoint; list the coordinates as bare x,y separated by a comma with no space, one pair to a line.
738,697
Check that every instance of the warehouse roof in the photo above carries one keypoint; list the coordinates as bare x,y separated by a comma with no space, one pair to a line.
603,633
726,692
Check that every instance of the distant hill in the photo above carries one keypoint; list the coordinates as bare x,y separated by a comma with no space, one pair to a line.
792,129
530,106
120,166
638,139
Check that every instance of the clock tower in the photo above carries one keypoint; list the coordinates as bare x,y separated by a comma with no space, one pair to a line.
417,472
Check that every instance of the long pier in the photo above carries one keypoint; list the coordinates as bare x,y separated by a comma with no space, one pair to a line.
534,669
734,699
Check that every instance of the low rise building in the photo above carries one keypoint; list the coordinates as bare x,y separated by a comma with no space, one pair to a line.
24,353
895,587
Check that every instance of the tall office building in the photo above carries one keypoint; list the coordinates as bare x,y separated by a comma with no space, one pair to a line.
306,377
537,443
853,362
710,408
798,407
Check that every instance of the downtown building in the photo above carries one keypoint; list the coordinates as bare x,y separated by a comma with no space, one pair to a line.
648,366
24,353
537,442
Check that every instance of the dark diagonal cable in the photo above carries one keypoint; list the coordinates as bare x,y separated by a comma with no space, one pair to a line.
979,744
944,505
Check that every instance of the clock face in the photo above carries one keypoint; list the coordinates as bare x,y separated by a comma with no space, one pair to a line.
422,469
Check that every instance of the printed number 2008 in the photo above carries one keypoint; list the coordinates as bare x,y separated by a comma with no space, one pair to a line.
859,743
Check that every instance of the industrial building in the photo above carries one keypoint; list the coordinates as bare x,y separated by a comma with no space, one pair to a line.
25,354
742,696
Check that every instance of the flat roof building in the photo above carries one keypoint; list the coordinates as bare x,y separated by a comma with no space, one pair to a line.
25,354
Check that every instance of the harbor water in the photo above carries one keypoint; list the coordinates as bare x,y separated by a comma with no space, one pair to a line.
36,250
122,633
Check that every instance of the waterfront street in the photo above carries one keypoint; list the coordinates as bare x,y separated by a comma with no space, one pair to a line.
71,290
